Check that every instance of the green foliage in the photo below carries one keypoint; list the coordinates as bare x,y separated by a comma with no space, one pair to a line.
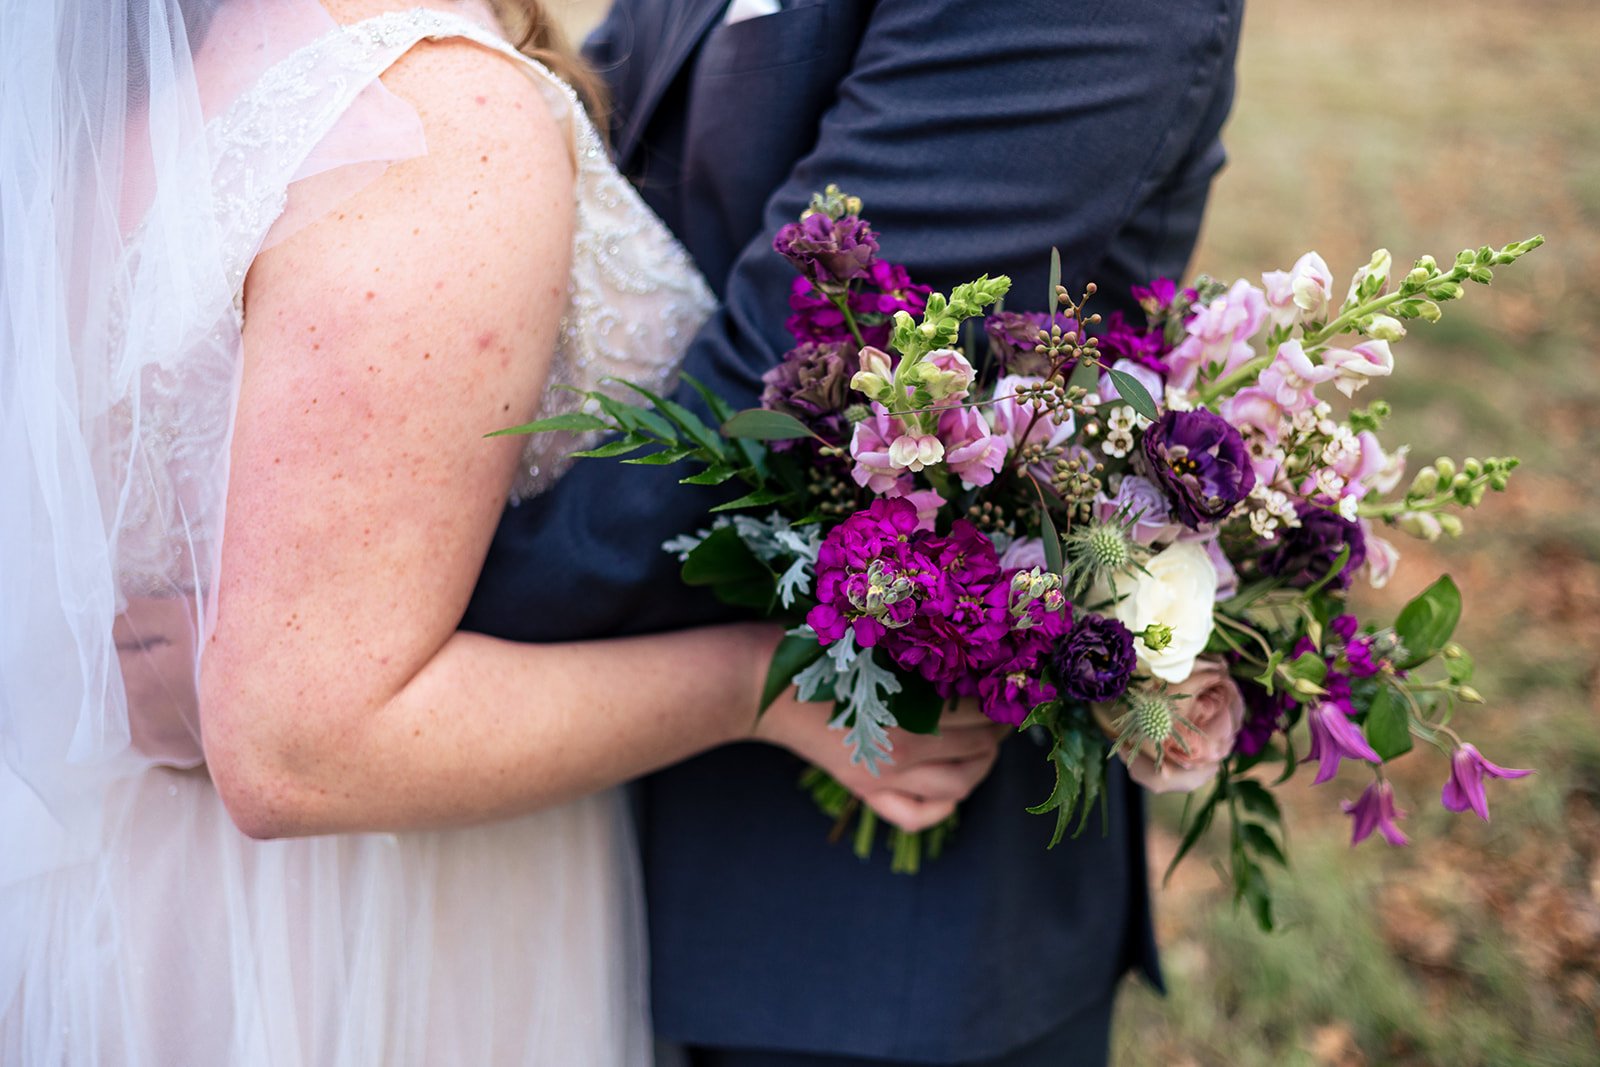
794,654
1388,725
759,424
734,573
1137,396
1079,757
1428,621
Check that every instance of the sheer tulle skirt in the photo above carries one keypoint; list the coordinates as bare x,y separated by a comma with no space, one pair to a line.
184,942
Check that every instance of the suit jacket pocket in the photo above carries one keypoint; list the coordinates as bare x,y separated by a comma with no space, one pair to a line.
793,35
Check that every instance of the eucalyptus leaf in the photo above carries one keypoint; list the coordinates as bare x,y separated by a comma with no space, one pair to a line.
1137,396
1052,542
1055,281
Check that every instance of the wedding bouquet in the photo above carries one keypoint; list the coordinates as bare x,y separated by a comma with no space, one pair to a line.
1135,537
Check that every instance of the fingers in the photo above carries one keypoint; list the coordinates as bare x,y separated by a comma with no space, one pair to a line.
953,781
910,750
908,812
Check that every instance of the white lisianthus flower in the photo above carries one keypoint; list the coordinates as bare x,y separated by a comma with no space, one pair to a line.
1178,588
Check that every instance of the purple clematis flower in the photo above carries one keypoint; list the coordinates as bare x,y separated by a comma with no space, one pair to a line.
1375,811
1333,738
1465,787
1201,462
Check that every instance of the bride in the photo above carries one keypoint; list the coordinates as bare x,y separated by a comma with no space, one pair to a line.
271,270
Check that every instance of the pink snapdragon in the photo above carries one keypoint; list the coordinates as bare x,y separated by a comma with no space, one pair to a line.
1219,333
973,452
1291,378
870,445
1300,294
915,452
1354,367
945,374
1382,557
1260,420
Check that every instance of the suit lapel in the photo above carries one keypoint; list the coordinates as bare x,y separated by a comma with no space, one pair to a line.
680,40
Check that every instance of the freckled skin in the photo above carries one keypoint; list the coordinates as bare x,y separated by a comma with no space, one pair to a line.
363,495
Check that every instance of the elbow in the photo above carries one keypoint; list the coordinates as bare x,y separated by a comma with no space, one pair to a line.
262,797
267,790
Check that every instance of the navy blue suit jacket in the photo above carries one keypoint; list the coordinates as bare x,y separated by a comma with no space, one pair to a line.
978,133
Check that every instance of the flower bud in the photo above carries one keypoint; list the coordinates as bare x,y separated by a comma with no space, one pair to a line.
1420,524
1471,468
872,386
1451,650
1428,263
1446,468
1450,524
1426,483
1156,637
1305,688
857,413
1419,275
1446,290
1385,328
1469,694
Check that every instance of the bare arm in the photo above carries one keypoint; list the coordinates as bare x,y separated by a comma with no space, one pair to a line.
380,345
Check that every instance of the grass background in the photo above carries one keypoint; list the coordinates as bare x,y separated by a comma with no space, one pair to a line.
1427,128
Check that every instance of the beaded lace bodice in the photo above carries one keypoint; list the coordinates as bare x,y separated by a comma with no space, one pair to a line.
635,297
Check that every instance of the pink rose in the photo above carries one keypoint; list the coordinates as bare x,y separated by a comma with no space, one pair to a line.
1215,709
1219,333
973,452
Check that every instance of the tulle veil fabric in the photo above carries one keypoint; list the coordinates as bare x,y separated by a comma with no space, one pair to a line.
137,926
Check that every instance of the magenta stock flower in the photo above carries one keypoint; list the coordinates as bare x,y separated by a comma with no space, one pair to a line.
1464,789
872,576
1008,696
1333,738
1120,339
1375,810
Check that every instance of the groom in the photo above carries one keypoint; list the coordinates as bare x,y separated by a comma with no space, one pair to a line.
978,133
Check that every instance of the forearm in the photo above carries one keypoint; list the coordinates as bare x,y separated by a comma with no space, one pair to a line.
488,729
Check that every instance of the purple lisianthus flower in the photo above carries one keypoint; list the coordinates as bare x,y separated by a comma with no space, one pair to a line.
1201,463
1097,660
1464,788
1375,810
1014,336
1303,555
872,576
813,384
1265,715
828,251
1333,738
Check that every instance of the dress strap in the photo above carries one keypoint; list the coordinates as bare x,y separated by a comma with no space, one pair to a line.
261,142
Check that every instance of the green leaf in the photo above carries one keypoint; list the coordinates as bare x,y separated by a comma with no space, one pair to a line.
762,425
620,447
572,422
1310,667
714,475
1052,542
1257,799
722,557
666,457
1425,624
793,655
1388,725
720,409
754,499
685,419
918,705
1068,757
1055,280
1259,841
1137,396
1201,823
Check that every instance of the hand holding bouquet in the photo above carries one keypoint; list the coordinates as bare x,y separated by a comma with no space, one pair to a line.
1134,537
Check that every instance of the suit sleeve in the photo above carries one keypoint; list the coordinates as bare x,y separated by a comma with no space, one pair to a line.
978,135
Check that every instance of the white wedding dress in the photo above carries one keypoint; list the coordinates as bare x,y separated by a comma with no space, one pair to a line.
137,925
